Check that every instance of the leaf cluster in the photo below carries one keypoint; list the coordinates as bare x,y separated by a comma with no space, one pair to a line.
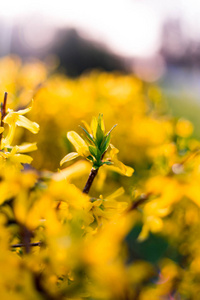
98,142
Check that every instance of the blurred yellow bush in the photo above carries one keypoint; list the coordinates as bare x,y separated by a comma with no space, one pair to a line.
134,238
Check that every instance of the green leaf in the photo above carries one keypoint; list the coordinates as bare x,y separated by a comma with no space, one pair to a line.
111,130
99,136
93,151
105,143
97,165
87,134
99,154
101,122
90,158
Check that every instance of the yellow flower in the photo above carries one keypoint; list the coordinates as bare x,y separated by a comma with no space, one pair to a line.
15,157
27,147
184,128
80,146
96,145
14,119
118,166
14,154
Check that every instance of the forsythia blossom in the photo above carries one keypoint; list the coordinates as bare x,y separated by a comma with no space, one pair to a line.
95,146
13,153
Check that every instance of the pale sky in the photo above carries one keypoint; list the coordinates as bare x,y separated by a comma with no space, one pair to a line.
127,27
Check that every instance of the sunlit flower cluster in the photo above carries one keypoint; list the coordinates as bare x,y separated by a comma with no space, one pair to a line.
134,237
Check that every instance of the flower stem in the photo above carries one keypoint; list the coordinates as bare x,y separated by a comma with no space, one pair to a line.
90,180
3,109
3,112
26,238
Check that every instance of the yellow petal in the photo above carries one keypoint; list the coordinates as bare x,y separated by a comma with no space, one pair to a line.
102,123
122,169
74,171
10,118
113,151
155,223
97,202
7,141
144,233
13,151
118,166
94,124
13,118
21,158
23,111
119,192
26,110
3,155
26,123
27,147
184,128
79,144
1,129
69,157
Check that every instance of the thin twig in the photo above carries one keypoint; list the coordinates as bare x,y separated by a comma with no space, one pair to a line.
141,199
3,112
3,108
91,177
25,245
26,238
90,180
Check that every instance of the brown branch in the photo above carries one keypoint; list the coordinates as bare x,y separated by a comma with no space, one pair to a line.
3,108
3,112
26,238
25,245
91,177
90,180
140,200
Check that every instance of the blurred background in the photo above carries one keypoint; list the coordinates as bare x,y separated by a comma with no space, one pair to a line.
157,40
